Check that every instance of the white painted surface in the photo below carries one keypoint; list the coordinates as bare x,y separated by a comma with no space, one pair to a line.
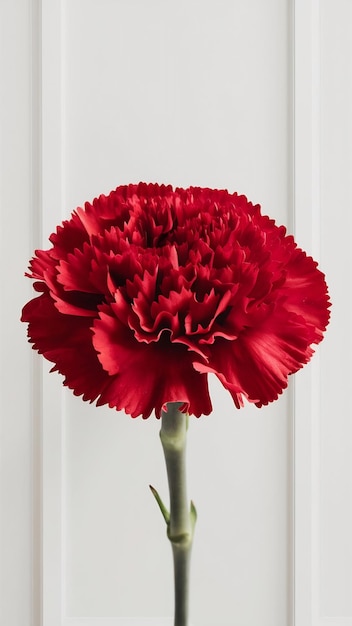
127,621
335,505
188,93
16,364
323,426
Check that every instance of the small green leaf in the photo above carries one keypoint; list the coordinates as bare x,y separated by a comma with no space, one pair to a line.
193,514
162,507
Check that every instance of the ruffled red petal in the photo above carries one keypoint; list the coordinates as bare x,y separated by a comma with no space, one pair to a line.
143,377
258,363
305,292
66,341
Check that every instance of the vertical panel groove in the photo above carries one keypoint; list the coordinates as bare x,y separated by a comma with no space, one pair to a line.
36,370
307,228
291,228
52,423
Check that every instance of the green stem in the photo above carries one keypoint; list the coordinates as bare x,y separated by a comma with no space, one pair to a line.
182,519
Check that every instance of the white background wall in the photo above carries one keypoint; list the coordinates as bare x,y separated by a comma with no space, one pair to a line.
253,96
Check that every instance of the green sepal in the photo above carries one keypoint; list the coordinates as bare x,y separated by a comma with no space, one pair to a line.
165,513
193,514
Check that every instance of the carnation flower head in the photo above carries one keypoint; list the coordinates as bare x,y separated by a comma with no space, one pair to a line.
146,291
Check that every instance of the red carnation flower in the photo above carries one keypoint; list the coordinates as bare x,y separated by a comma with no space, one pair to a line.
148,289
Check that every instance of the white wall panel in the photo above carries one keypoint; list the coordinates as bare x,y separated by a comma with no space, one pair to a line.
323,512
336,227
187,93
18,489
